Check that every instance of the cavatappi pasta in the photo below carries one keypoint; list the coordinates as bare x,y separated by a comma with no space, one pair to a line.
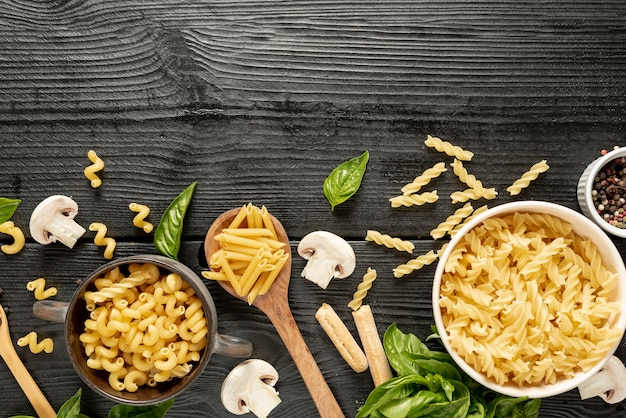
102,240
526,301
16,233
38,287
250,255
46,345
144,327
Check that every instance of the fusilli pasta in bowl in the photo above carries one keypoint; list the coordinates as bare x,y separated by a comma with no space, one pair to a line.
529,299
141,329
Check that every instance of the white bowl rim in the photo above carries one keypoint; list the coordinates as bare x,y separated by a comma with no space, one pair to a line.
591,172
578,221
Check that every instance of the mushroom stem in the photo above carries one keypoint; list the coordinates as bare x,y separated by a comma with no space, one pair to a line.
320,269
608,383
265,399
65,229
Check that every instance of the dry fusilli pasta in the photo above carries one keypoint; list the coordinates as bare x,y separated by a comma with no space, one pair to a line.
423,179
362,289
452,221
527,177
449,149
389,242
414,199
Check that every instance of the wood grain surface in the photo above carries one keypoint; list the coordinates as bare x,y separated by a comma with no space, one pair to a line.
258,101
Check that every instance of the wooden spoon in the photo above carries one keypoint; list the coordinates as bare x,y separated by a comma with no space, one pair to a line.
25,380
275,305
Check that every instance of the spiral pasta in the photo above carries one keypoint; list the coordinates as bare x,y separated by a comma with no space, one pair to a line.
362,289
449,149
37,286
414,199
471,194
469,179
423,179
526,300
16,233
524,181
102,240
415,264
30,340
140,219
388,241
91,170
451,221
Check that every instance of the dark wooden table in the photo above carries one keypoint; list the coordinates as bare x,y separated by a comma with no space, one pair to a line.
258,102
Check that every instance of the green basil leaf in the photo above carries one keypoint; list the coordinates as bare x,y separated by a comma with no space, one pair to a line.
151,411
170,228
71,407
7,208
344,181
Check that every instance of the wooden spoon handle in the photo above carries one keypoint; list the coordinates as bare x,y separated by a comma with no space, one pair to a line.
286,326
28,385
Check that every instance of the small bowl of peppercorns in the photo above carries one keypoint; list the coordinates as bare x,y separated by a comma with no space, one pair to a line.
602,192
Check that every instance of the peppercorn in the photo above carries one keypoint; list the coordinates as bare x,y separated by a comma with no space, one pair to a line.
609,191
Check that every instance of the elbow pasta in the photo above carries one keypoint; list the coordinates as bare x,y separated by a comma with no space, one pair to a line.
525,300
90,171
102,240
414,199
449,149
37,286
250,255
389,242
527,177
362,289
156,337
30,340
140,219
16,233
423,179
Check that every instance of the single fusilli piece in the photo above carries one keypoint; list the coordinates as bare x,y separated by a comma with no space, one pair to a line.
19,241
414,199
90,171
362,289
415,264
423,179
527,177
35,347
476,212
389,242
448,149
471,194
469,179
452,221
38,287
102,240
140,219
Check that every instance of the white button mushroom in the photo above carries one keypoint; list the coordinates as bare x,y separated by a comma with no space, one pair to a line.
329,256
53,219
249,387
608,383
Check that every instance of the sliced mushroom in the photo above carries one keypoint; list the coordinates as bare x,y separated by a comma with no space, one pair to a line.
53,219
609,383
329,255
249,387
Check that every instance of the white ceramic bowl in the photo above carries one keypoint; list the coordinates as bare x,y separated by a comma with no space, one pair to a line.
585,187
583,227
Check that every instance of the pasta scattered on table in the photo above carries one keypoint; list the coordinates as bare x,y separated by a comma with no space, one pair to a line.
448,149
414,199
140,219
16,233
526,300
471,194
30,340
524,181
38,287
362,289
388,241
469,179
424,179
91,170
451,221
102,240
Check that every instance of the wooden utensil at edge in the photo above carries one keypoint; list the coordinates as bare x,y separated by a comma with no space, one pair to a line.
275,305
25,380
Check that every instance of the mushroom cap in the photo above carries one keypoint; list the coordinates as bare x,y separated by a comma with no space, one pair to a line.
333,246
617,373
241,380
45,211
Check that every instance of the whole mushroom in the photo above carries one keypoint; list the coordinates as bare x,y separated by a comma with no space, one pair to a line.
53,220
329,255
249,387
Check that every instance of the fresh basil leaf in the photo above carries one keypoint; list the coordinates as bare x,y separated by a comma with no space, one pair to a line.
531,408
7,208
170,228
71,407
150,411
344,181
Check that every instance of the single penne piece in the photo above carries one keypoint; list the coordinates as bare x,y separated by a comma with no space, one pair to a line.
232,278
215,275
253,271
256,288
271,277
372,345
230,247
248,232
274,244
253,216
240,240
267,221
241,215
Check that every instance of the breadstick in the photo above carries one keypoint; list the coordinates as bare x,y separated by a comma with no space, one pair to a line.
372,345
341,338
